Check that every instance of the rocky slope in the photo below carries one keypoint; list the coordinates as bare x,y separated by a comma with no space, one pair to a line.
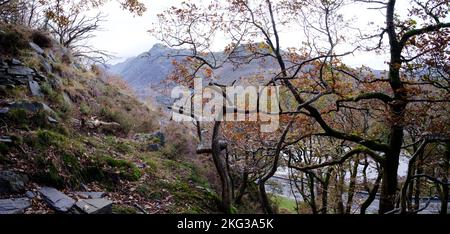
72,142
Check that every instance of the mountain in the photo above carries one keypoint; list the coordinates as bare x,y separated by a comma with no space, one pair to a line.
146,73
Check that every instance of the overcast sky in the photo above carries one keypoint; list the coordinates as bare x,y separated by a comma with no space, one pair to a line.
126,35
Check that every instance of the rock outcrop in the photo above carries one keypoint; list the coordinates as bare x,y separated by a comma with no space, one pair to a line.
12,182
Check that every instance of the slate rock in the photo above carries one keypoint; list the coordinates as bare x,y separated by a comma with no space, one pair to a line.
51,56
45,66
67,99
6,139
94,206
56,83
40,77
52,120
36,48
91,195
141,165
31,106
4,110
35,88
20,71
160,136
30,194
12,182
153,147
16,62
56,199
4,76
14,206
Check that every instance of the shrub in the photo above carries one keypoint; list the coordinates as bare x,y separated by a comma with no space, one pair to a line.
171,152
121,118
12,41
41,39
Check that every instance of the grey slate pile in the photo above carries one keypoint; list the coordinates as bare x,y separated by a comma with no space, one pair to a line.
14,73
92,202
14,206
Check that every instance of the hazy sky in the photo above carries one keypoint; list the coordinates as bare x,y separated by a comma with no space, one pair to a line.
126,35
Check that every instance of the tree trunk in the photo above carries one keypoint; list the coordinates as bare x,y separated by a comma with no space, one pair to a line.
221,169
418,184
339,191
325,186
351,187
312,202
267,207
397,108
372,194
444,199
242,188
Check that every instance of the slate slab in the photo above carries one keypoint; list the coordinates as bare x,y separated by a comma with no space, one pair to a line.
154,147
36,48
94,206
14,206
56,199
35,88
90,195
20,70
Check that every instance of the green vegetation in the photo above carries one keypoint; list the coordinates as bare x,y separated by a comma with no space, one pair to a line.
123,209
284,204
50,138
126,169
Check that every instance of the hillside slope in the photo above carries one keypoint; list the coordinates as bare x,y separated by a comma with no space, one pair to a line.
64,128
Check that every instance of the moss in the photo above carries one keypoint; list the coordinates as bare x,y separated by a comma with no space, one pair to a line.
170,151
18,116
94,173
127,169
71,162
120,146
152,166
16,92
85,109
123,209
197,178
24,119
40,119
3,148
150,192
48,173
46,89
50,138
